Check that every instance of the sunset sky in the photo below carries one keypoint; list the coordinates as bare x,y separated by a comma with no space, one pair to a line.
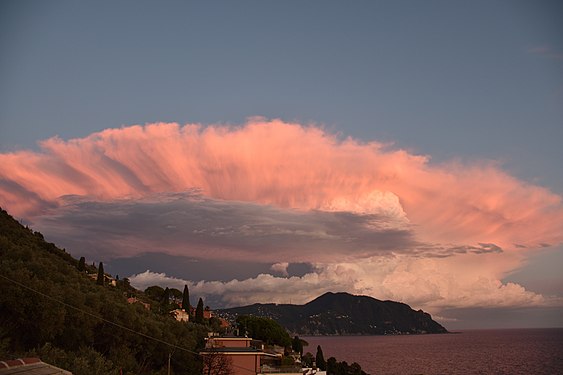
265,151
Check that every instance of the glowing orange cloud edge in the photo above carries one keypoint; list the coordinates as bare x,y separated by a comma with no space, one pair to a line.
290,166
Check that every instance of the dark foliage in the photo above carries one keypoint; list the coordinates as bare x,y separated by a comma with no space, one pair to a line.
264,329
297,345
186,299
175,296
333,367
154,292
307,360
82,264
81,339
100,280
199,312
320,358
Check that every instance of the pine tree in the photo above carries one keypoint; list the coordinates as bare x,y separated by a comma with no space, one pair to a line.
199,312
186,299
297,345
320,359
100,280
165,297
82,264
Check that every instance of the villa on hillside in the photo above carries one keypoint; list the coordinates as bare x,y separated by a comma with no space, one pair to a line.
108,280
180,315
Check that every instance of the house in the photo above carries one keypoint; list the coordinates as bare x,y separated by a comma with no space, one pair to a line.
180,315
244,356
224,323
135,300
108,280
236,353
30,366
207,313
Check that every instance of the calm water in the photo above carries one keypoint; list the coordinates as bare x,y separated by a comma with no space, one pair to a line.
518,351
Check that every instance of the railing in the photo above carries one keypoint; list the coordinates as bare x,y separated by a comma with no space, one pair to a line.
281,370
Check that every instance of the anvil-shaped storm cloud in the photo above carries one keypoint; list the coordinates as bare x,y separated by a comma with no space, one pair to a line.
367,217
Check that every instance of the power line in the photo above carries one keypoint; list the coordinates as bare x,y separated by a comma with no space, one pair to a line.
174,346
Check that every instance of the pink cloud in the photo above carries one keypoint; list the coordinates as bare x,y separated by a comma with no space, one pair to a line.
371,219
289,166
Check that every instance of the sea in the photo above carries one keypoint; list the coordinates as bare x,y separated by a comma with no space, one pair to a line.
506,351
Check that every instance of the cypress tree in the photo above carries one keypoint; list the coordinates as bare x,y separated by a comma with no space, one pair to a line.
82,264
199,312
186,299
100,280
320,359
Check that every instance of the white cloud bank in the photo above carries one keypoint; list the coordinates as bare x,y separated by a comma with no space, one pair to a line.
433,284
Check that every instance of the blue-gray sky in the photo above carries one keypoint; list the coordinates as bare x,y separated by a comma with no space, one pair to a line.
467,81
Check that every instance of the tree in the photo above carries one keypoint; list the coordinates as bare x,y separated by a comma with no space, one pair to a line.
265,329
155,292
307,360
175,295
186,299
331,366
216,363
355,369
82,264
165,297
79,343
297,345
320,359
165,305
199,312
100,280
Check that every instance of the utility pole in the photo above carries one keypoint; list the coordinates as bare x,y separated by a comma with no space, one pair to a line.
169,355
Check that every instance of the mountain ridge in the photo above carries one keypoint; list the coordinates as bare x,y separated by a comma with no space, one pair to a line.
341,313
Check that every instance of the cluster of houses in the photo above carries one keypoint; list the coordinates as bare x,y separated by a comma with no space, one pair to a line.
108,280
136,300
182,315
233,354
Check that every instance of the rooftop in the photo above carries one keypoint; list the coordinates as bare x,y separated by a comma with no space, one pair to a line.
30,366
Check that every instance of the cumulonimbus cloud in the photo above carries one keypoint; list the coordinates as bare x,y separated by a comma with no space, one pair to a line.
290,166
373,219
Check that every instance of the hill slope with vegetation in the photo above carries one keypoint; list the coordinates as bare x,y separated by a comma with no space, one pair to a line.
51,309
344,314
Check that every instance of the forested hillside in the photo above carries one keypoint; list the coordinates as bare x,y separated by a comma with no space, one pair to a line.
50,309
344,314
